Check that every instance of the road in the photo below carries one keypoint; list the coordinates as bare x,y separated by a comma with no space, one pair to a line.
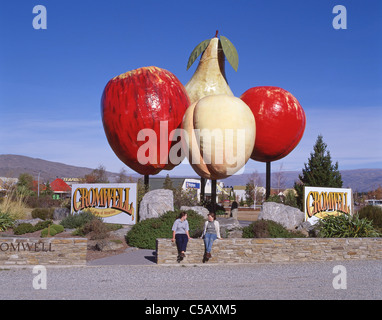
361,279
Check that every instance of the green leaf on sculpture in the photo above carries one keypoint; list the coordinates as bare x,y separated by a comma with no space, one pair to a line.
230,52
197,51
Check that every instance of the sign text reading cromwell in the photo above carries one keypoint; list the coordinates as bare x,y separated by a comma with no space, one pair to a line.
115,203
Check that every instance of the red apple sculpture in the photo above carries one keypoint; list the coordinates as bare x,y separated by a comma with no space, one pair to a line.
280,122
146,98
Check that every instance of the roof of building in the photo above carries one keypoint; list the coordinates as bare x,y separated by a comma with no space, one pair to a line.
60,185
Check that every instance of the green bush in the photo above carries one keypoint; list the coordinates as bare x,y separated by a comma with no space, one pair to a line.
6,221
345,226
44,232
77,220
274,198
29,228
144,233
374,214
24,228
43,213
268,229
53,230
42,225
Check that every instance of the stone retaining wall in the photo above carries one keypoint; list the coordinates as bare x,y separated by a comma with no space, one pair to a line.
267,250
44,251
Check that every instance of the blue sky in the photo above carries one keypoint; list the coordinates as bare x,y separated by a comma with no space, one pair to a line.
51,81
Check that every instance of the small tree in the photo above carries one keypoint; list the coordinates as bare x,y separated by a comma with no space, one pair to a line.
122,176
318,172
167,184
25,184
98,175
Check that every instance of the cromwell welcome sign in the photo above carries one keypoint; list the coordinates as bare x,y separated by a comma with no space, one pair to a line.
320,202
114,203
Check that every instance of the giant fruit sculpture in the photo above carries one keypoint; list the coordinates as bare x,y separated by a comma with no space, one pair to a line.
280,122
219,127
148,98
209,77
220,134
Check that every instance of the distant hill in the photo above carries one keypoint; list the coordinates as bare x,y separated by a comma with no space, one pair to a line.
361,180
12,166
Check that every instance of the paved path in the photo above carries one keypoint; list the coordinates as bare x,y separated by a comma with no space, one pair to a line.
132,256
307,281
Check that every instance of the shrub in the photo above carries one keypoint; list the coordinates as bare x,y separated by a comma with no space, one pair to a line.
345,226
42,213
268,229
24,228
96,229
77,220
42,225
144,233
57,227
29,228
374,214
6,221
52,230
274,198
290,199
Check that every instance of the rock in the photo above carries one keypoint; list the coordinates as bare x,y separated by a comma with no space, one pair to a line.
121,233
105,245
288,216
307,229
228,226
60,213
155,203
229,223
33,222
198,209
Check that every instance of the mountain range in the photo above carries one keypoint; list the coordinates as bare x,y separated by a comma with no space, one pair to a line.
11,166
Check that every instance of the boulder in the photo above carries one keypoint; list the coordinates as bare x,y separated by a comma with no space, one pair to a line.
60,213
155,203
33,222
287,216
308,229
230,227
198,209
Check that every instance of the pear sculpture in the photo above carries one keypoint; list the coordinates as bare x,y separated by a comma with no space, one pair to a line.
219,129
209,77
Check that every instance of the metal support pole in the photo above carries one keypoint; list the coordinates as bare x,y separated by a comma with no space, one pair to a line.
213,195
146,183
202,189
268,180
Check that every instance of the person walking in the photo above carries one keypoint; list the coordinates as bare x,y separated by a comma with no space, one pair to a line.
210,233
180,234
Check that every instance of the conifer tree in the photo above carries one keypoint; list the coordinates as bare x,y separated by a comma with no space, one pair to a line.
167,184
318,172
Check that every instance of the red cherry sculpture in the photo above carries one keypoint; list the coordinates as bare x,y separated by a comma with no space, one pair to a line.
280,122
142,99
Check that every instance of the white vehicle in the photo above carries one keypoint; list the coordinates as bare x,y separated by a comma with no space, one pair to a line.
374,202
